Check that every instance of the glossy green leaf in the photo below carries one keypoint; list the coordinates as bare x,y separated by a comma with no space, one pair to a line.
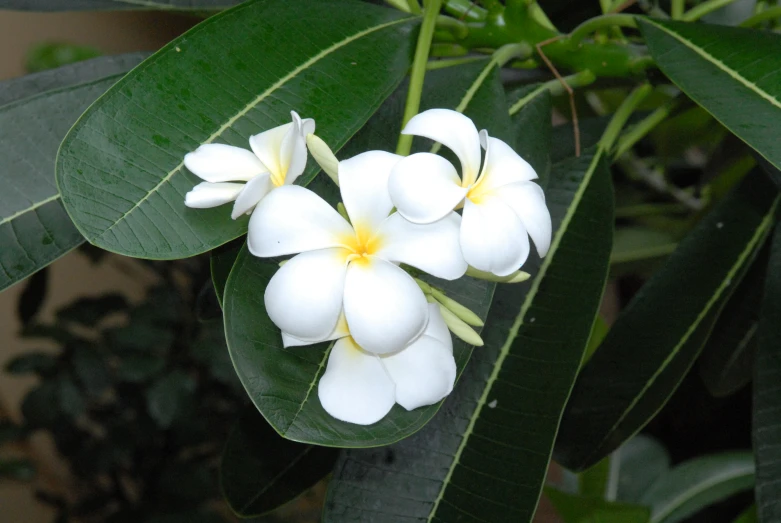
574,508
485,456
642,460
112,5
766,425
261,471
220,264
722,68
593,482
634,244
121,170
727,361
281,382
34,228
631,376
695,484
533,131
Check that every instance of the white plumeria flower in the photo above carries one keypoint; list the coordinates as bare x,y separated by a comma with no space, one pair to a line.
361,387
351,266
501,205
277,158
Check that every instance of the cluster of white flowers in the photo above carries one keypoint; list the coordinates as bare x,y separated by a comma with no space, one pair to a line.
345,282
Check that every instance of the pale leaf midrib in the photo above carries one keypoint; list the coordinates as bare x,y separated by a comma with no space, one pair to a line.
274,87
735,75
504,351
31,208
759,234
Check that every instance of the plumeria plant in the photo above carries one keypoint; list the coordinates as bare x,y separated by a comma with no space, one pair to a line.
466,242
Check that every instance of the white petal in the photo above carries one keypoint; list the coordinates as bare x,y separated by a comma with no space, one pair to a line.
205,194
425,187
216,162
340,331
355,386
252,193
363,182
293,219
502,165
527,200
294,147
492,237
434,248
304,297
454,130
274,148
423,373
437,328
385,308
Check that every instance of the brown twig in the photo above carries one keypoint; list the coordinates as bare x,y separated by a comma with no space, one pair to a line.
570,92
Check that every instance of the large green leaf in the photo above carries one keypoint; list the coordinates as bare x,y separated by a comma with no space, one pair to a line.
533,130
574,508
727,361
485,456
36,114
695,484
121,170
221,262
654,342
282,382
733,73
766,426
261,471
111,5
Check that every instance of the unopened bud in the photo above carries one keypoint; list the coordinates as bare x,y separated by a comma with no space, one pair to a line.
456,308
515,277
324,157
459,328
425,287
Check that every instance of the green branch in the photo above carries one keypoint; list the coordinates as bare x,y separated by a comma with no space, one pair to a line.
598,22
697,12
622,115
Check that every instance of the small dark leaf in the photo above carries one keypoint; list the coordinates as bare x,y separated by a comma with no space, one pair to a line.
40,363
207,305
261,470
41,405
90,368
10,432
33,296
70,397
168,396
18,469
139,367
89,311
186,483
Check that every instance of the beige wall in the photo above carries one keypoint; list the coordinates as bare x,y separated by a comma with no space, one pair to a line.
112,33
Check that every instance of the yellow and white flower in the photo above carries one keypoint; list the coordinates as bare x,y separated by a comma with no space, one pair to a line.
502,205
361,387
277,158
352,266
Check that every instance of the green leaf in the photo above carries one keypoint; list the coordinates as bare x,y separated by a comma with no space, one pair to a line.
766,426
221,262
51,55
633,244
168,397
631,376
584,509
698,483
89,311
642,460
205,87
532,129
593,482
722,68
282,382
40,363
747,516
485,456
727,361
34,229
139,367
261,471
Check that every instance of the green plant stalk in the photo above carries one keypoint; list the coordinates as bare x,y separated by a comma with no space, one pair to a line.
450,24
418,73
622,115
771,13
414,7
433,65
697,12
555,87
401,5
598,22
465,10
676,9
645,126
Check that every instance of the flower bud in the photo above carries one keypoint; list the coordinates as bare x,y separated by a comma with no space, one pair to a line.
459,328
456,308
515,277
323,156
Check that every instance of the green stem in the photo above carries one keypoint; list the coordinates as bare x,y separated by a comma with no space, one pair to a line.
768,14
605,5
622,115
676,10
465,10
431,12
580,79
433,65
414,7
450,24
598,22
502,55
697,12
645,126
401,5
650,209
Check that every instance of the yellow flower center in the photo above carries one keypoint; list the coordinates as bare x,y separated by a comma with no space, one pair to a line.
361,245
